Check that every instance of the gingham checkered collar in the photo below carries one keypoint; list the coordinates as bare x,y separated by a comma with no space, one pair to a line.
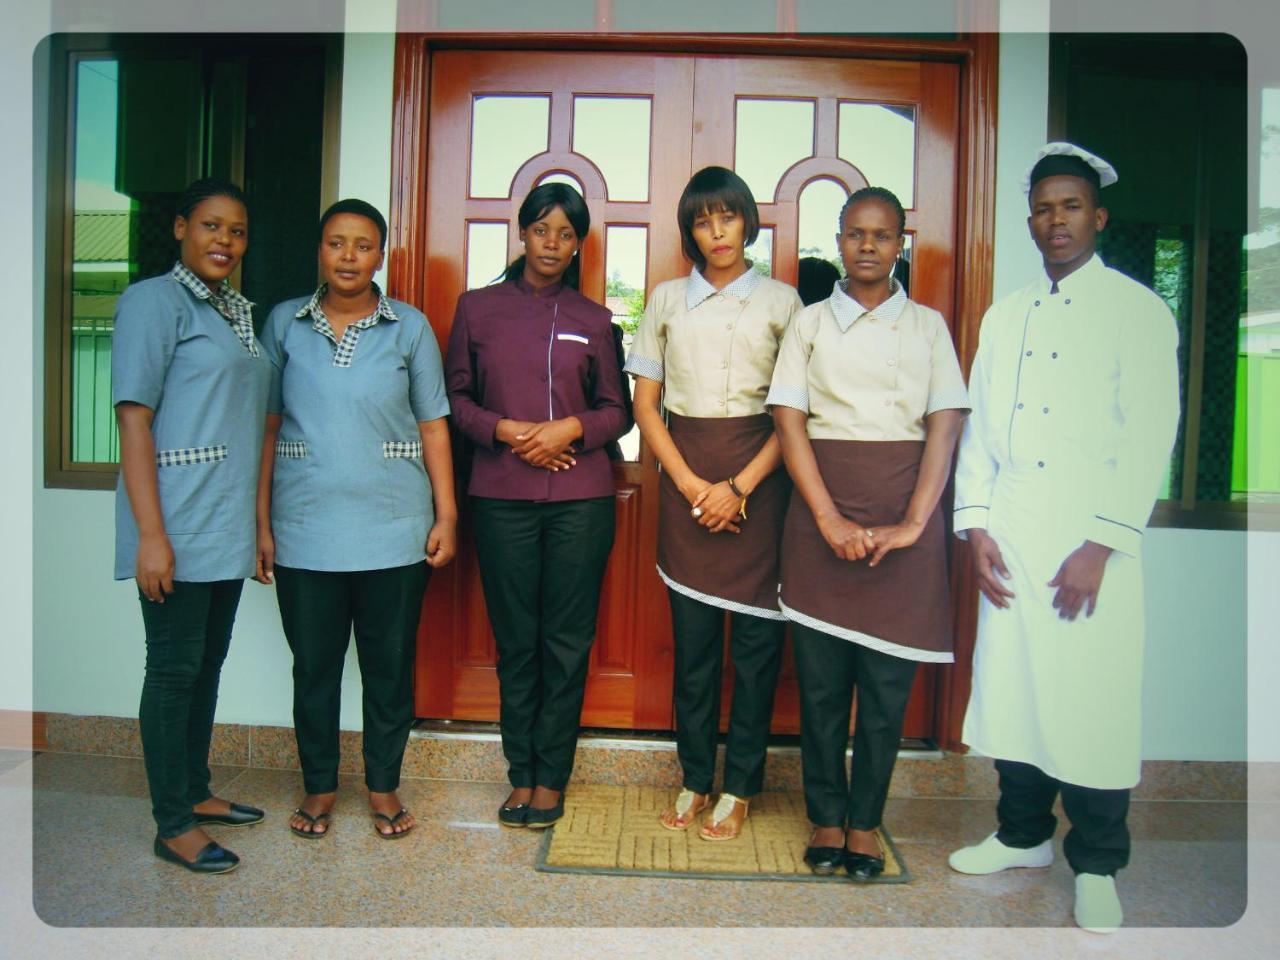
699,288
228,301
848,310
313,307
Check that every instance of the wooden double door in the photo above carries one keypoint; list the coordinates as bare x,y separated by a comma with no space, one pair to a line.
629,129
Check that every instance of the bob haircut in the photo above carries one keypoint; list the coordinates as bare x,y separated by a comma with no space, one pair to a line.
360,208
709,190
541,201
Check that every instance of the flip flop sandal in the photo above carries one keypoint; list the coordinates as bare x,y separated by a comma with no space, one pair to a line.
725,822
685,812
311,821
391,821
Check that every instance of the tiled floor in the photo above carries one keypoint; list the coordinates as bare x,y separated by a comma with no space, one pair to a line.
459,869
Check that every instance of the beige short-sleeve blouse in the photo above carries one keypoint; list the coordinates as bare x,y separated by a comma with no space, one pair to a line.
868,374
713,352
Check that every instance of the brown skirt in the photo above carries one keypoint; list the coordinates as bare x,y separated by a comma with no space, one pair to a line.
902,606
739,571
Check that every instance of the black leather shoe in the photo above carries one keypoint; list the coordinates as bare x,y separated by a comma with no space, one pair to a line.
538,819
240,815
513,816
862,866
823,860
211,858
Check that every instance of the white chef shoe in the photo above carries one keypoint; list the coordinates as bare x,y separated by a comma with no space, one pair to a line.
992,856
1097,905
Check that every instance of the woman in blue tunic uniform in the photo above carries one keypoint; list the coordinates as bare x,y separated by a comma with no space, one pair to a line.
189,386
356,492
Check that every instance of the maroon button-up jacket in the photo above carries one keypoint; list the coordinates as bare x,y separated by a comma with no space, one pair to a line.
521,355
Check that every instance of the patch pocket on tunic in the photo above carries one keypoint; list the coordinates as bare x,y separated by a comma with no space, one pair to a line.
406,477
188,456
291,449
402,449
193,498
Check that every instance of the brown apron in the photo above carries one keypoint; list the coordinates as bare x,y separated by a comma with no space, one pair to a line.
901,606
734,571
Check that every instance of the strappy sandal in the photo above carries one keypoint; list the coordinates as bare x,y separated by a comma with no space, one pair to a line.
311,834
391,821
684,813
726,820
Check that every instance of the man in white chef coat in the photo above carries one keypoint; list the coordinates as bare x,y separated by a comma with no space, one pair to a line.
1075,407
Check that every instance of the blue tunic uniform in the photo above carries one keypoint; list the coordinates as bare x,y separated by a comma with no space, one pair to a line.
350,490
175,353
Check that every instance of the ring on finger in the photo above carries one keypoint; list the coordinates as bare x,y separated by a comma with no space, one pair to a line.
696,512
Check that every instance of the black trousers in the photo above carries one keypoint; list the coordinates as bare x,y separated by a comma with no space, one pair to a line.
755,648
187,639
541,567
318,610
1098,841
828,669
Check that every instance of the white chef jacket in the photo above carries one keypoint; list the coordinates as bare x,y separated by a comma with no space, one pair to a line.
1075,408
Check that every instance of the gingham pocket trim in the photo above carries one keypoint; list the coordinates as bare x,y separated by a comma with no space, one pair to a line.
187,456
402,449
291,449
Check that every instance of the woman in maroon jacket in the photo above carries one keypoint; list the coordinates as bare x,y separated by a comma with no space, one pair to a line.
534,383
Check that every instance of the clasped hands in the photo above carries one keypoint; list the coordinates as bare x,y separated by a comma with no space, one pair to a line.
713,505
547,445
852,541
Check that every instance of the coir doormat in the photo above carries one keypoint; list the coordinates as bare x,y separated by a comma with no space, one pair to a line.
615,830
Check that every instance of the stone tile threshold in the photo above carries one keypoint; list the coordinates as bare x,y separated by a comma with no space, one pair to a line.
453,750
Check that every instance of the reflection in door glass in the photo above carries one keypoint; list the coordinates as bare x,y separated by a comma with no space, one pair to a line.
820,203
505,132
486,253
880,140
613,133
769,136
902,270
559,176
101,263
625,268
760,253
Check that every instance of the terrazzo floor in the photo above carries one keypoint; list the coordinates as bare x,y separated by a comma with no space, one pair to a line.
458,868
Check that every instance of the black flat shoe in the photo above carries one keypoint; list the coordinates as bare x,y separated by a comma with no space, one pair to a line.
824,860
211,858
514,816
240,815
862,866
539,819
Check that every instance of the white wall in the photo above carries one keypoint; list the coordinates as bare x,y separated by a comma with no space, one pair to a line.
88,634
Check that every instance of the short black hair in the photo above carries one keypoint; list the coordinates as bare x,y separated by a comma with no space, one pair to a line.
1087,174
815,279
709,190
198,191
875,193
361,208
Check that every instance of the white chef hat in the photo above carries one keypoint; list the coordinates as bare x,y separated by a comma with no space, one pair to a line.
1060,157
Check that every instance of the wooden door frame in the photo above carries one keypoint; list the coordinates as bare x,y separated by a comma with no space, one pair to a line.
978,57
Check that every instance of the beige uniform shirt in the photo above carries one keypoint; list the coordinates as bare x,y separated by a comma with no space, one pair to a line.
868,374
713,351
